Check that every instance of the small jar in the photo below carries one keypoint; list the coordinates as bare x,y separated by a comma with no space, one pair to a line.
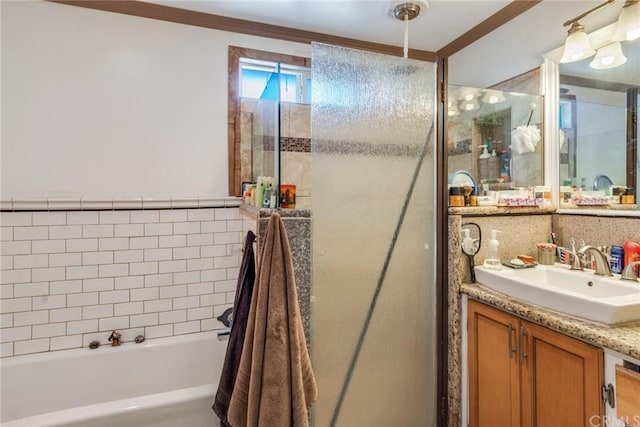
456,197
628,198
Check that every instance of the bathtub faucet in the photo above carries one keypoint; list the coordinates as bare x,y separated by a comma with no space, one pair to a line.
115,338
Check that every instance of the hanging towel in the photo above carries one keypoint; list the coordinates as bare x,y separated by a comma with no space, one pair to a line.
275,386
241,305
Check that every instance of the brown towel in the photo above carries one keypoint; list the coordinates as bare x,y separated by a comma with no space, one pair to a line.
275,385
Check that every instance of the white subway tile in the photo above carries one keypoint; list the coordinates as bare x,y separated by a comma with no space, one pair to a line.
226,262
113,243
227,213
93,258
226,285
199,264
153,306
172,266
31,346
6,234
31,318
200,214
186,328
113,323
234,225
158,331
184,202
95,285
148,319
144,294
160,229
82,245
172,316
15,334
234,249
131,203
15,305
97,311
219,309
15,248
96,204
213,226
213,299
6,349
49,218
200,239
82,299
177,215
233,273
230,297
143,242
186,227
174,291
184,253
101,337
112,297
82,326
144,217
153,280
113,270
210,325
65,314
67,342
93,231
10,219
30,261
6,320
129,230
226,238
8,277
49,302
129,335
128,308
114,217
83,272
6,291
174,241
158,254
187,277
82,218
65,260
200,288
129,282
129,256
186,302
6,262
199,313
137,268
30,289
213,251
47,274
30,233
47,246
49,330
65,232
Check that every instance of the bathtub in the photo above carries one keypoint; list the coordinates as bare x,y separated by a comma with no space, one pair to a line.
163,382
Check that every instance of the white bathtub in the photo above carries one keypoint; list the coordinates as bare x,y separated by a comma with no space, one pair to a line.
161,382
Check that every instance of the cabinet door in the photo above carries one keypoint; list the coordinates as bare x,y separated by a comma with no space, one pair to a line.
494,389
561,380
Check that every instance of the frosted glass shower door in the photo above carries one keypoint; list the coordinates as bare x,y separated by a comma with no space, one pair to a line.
373,338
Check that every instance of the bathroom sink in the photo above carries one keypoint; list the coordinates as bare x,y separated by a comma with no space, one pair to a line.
607,300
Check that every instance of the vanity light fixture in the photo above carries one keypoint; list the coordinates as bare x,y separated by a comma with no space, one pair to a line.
577,45
628,27
609,56
493,97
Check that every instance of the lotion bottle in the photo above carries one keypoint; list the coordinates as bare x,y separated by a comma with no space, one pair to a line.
492,261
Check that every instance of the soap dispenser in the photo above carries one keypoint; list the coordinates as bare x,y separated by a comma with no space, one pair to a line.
467,241
492,261
483,163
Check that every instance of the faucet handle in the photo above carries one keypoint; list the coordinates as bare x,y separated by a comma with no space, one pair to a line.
629,272
577,260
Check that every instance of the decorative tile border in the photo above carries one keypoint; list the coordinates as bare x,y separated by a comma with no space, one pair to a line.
87,204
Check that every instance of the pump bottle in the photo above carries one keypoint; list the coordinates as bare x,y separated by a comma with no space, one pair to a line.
483,163
492,261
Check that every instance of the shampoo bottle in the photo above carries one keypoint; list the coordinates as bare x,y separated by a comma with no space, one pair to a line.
492,261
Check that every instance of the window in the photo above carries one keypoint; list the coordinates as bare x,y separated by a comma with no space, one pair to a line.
261,80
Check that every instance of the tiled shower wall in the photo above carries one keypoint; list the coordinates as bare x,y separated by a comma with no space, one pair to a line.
69,278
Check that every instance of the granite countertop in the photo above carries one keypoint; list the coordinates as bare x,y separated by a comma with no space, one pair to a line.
502,210
623,339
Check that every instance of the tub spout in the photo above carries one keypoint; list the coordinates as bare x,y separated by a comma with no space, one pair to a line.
115,338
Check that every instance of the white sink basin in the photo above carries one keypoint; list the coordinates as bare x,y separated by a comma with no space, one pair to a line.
607,300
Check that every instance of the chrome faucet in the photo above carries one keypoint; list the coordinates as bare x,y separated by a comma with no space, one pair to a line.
602,264
629,272
576,264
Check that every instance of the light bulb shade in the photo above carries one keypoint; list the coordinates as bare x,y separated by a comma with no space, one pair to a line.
577,45
493,97
609,56
628,27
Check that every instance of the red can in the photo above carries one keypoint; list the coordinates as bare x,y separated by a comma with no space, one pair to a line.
631,253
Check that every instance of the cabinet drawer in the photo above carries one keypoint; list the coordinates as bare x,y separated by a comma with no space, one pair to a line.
627,393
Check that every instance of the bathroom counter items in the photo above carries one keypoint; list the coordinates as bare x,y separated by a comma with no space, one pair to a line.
623,339
502,210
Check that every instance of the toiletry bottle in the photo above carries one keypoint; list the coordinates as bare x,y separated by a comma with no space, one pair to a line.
492,261
483,163
467,241
631,253
505,173
494,165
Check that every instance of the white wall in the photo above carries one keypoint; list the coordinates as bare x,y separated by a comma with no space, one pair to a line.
97,104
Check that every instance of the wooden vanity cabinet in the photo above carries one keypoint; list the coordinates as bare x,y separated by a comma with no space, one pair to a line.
523,374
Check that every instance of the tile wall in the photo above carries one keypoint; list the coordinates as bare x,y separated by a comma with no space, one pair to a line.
71,277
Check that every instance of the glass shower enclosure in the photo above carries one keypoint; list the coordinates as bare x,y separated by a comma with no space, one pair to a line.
373,338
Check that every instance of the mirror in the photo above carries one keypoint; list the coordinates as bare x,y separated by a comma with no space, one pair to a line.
598,119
